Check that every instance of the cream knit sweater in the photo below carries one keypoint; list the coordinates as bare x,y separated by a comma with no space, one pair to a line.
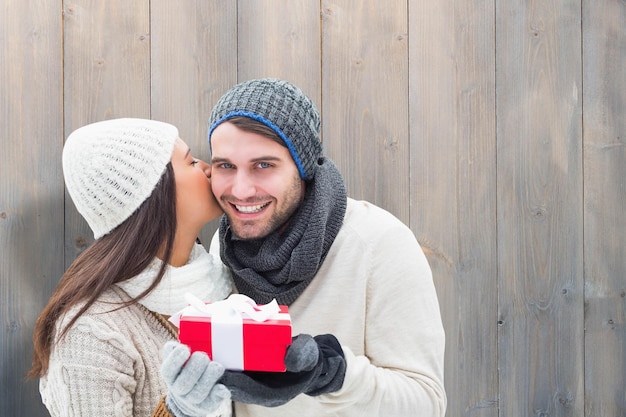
108,363
375,293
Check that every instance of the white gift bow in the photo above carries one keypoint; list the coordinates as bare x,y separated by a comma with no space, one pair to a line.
237,303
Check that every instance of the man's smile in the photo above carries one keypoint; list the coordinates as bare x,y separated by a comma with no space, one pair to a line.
250,209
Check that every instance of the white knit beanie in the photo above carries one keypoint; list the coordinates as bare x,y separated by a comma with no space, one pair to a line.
112,167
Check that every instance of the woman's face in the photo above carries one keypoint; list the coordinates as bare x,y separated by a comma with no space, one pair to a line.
195,203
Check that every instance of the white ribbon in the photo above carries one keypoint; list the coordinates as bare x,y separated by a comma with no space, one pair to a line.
227,324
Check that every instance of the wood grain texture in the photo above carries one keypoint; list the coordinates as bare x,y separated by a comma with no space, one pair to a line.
539,208
604,52
280,39
364,99
31,188
453,187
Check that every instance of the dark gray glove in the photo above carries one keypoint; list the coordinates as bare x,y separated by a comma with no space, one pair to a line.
315,366
192,388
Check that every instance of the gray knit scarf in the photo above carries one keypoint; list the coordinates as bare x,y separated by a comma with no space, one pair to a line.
282,265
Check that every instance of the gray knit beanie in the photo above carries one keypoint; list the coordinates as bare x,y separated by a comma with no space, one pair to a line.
282,107
112,167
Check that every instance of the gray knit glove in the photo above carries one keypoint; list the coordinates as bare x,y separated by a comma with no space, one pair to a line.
191,381
315,366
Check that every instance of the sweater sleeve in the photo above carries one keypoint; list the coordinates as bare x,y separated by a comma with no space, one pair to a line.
91,373
401,370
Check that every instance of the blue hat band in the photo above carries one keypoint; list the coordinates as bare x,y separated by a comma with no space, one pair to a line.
268,123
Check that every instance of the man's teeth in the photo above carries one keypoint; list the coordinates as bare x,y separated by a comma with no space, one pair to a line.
250,209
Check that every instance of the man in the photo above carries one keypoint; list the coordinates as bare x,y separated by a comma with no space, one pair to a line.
345,268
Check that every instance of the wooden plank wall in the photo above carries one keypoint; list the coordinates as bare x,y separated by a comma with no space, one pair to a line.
494,129
604,165
31,187
539,208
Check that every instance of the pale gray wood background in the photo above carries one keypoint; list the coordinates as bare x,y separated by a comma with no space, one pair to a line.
496,130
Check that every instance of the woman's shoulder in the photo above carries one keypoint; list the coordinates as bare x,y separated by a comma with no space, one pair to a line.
104,314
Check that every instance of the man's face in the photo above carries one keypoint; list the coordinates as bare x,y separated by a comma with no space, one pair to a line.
255,180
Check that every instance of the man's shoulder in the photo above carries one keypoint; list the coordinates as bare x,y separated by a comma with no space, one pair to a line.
361,211
372,223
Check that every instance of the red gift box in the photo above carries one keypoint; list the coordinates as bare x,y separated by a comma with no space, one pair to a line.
239,340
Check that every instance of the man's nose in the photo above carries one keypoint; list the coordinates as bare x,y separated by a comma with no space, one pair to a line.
243,186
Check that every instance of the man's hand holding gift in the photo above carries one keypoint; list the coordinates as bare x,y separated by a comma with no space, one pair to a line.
315,366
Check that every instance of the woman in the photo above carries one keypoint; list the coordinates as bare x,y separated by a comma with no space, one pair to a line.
99,340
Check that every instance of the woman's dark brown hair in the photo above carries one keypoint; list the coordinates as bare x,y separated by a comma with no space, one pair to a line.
115,257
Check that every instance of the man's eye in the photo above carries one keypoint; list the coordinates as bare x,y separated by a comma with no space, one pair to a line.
225,165
264,165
